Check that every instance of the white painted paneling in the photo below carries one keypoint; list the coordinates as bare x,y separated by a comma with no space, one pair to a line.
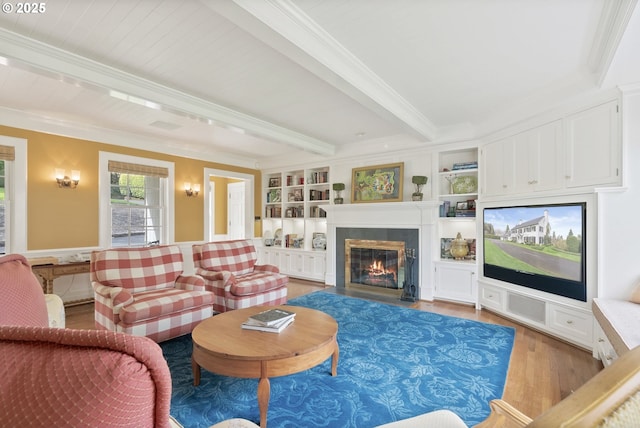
309,75
617,262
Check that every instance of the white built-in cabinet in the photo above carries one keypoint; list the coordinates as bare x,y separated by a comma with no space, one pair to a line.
593,146
573,323
578,151
573,154
498,158
456,280
293,217
296,263
538,158
530,161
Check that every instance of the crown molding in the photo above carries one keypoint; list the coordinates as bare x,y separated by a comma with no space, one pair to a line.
611,27
42,58
315,49
39,123
630,89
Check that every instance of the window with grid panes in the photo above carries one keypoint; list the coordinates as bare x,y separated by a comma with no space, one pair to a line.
137,195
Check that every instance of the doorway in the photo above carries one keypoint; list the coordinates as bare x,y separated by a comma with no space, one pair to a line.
235,210
239,212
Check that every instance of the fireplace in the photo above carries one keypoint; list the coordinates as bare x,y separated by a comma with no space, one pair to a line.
374,263
385,248
411,223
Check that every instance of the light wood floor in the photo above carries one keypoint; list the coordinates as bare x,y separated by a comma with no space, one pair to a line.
542,372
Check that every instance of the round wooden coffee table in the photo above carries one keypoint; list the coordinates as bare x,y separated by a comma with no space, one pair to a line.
222,346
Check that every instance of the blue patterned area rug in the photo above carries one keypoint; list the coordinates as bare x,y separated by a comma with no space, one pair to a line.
394,363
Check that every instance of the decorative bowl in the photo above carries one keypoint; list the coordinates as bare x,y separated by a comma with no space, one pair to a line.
464,184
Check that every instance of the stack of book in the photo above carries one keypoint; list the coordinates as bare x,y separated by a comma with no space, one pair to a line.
465,165
272,320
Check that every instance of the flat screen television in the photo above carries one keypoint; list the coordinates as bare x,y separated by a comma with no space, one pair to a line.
537,246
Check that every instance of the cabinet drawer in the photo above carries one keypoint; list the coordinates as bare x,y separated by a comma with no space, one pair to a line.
492,297
571,323
603,347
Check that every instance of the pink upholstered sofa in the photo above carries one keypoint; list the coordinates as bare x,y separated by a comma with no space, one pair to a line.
231,272
57,377
142,291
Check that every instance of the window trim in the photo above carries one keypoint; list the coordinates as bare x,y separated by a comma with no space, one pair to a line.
17,235
104,190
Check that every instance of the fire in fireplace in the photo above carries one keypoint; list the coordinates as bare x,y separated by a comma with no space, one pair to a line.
372,263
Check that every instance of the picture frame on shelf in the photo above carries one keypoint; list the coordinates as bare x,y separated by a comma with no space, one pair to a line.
274,196
463,205
377,183
274,182
297,195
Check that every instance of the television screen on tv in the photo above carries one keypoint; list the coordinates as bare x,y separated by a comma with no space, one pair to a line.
537,246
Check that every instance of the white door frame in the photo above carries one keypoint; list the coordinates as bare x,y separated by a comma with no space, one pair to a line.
249,181
232,188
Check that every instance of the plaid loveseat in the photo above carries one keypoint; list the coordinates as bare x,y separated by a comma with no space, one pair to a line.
230,271
142,291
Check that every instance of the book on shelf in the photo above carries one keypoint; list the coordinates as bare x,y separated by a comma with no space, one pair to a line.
274,328
318,177
465,165
465,213
271,317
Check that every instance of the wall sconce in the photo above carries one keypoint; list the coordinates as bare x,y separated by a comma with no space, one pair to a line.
191,191
65,181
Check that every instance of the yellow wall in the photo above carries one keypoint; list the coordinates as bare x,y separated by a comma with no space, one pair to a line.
63,218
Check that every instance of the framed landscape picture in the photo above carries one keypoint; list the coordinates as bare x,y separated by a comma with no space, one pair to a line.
378,183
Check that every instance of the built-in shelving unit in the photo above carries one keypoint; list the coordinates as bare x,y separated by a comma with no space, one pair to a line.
457,192
564,159
294,226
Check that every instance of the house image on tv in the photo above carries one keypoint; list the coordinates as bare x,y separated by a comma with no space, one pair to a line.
529,232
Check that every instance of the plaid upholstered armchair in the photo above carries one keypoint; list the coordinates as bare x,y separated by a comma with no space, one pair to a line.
142,291
230,271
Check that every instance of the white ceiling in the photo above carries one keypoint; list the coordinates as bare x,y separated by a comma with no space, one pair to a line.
246,81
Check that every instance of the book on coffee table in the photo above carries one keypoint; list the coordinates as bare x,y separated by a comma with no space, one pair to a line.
273,328
270,317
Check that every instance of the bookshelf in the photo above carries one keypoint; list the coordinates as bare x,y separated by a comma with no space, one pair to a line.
293,218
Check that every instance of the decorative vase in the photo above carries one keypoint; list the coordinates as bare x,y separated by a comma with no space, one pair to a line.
416,196
459,247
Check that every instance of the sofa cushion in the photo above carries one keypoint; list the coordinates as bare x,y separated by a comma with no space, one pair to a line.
158,303
138,269
257,282
238,257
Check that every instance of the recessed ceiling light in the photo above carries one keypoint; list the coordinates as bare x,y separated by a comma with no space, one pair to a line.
361,134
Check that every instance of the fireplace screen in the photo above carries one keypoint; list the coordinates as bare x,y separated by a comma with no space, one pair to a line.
374,263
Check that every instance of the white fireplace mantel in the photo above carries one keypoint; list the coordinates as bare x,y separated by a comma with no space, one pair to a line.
408,215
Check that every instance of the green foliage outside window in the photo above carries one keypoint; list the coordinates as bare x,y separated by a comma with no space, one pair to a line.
127,185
